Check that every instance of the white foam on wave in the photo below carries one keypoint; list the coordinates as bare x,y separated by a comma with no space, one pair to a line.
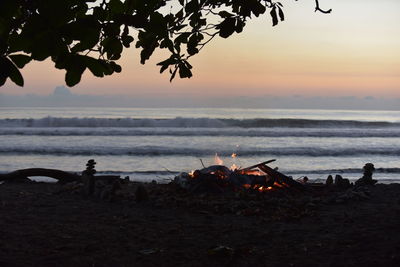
184,151
195,131
181,122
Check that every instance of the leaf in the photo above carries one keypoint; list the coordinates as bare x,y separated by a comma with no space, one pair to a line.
173,74
225,14
137,20
192,6
166,63
192,50
258,9
239,26
3,78
75,68
20,60
9,70
4,70
113,48
281,15
72,78
188,65
108,70
99,13
146,53
163,68
95,66
157,24
127,40
116,6
117,68
226,27
182,38
192,44
15,75
42,47
184,71
274,16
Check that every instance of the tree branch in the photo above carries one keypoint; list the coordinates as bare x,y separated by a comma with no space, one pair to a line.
317,8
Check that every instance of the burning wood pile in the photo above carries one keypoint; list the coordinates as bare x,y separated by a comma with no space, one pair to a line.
219,179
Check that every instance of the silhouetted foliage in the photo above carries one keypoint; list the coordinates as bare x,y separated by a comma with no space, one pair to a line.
88,34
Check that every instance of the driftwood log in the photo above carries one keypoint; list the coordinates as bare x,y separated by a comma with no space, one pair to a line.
23,174
62,177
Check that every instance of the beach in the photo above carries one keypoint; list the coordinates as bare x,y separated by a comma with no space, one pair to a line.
43,225
48,224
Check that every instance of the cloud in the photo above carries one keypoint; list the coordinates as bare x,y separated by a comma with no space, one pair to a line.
61,91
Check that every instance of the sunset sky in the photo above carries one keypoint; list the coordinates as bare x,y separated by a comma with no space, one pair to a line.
354,51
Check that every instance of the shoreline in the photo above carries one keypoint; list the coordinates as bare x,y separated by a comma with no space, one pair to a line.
166,178
42,225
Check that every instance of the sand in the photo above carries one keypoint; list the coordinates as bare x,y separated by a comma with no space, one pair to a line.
43,226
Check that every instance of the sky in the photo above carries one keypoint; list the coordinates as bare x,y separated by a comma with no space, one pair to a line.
351,53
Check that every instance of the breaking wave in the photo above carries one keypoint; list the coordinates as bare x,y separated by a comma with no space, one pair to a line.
181,122
174,151
253,132
348,170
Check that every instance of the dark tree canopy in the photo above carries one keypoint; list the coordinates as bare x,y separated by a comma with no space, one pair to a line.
88,34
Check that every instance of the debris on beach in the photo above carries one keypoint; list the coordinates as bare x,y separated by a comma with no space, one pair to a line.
369,169
249,191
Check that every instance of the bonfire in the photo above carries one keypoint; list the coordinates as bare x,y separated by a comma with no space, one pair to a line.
219,178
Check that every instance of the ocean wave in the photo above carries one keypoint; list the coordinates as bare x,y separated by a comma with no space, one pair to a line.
325,171
179,132
174,151
181,122
347,170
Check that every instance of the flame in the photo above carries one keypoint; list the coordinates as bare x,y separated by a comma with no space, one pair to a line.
282,185
222,173
234,167
264,189
217,160
251,172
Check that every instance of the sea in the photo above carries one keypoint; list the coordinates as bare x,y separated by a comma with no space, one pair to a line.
149,144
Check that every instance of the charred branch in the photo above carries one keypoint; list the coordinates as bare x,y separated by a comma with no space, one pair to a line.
258,165
281,178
